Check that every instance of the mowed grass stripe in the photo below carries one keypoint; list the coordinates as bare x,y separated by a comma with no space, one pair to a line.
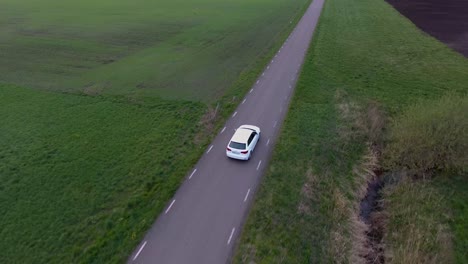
368,50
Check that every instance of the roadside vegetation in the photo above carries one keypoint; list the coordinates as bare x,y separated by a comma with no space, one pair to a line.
106,105
418,228
366,67
426,153
430,137
453,189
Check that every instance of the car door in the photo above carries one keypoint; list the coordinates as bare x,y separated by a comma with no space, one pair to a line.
254,140
250,142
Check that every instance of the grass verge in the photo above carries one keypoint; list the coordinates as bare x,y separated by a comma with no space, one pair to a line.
370,51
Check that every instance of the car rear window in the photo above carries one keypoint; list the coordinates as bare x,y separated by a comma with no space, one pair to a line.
237,145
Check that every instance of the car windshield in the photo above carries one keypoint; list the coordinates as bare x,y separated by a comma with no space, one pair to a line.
237,145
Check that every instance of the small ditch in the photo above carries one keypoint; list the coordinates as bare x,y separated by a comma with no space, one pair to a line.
370,207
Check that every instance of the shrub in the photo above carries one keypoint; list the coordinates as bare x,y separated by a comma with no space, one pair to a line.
430,135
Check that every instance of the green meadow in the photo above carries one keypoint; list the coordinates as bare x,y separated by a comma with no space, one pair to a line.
367,64
82,177
137,48
106,105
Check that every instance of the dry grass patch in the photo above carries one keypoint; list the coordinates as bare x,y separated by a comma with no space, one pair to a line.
206,124
364,248
350,241
430,136
417,232
307,193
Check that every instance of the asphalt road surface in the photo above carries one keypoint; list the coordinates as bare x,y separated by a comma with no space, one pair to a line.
203,220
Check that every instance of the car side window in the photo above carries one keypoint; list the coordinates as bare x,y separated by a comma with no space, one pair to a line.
251,138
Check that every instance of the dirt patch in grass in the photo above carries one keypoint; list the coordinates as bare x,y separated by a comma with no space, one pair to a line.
370,214
366,230
446,20
307,193
206,124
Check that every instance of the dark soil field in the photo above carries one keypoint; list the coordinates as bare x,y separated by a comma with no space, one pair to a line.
446,20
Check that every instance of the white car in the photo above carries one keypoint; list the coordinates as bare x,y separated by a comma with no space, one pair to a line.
243,142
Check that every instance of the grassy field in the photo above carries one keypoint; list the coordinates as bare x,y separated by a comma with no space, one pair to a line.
137,48
85,176
419,217
364,53
428,221
106,105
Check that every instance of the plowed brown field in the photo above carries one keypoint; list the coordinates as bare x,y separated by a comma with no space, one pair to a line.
446,20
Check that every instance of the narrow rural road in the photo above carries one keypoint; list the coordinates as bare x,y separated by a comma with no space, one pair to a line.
203,220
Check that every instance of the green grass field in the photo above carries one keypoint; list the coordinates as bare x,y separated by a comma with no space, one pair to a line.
104,109
137,48
369,52
82,177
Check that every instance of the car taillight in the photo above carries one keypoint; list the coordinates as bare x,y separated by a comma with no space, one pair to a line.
245,152
228,149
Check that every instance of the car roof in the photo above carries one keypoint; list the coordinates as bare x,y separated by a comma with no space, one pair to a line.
241,135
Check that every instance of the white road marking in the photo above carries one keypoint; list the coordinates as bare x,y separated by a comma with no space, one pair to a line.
263,74
281,109
139,251
251,90
276,55
257,81
235,113
224,128
243,101
268,67
209,149
193,172
230,237
276,122
169,208
258,166
290,86
247,195
268,142
272,60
